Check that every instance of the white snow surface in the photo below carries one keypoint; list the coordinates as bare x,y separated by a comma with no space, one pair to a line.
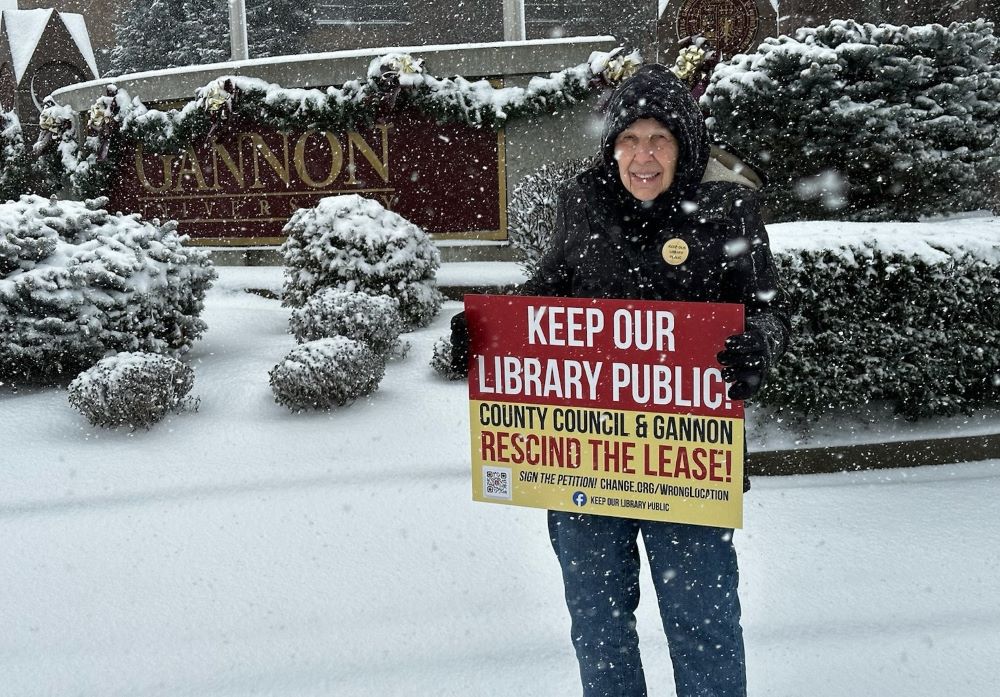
245,550
933,241
24,30
303,58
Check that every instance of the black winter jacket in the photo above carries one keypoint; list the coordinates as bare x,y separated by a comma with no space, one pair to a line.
607,244
729,258
591,255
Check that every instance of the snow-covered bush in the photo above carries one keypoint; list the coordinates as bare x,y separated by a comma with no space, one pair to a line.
14,165
132,389
862,122
531,214
354,243
77,283
441,359
21,171
373,319
327,372
907,320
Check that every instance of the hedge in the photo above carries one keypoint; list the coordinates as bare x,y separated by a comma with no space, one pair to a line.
906,314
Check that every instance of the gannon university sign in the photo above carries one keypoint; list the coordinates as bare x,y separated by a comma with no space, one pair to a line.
241,185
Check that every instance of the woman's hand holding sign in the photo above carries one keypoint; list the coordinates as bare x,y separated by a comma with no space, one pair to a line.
459,345
744,363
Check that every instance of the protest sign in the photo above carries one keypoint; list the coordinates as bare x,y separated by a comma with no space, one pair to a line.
609,407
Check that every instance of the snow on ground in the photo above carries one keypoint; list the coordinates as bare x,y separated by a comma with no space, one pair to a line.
245,550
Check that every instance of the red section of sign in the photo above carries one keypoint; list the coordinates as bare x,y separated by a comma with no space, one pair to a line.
247,180
609,354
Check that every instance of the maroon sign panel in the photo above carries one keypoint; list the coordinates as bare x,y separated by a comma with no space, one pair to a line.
243,184
602,354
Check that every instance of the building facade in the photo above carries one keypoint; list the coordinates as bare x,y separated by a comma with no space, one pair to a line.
649,25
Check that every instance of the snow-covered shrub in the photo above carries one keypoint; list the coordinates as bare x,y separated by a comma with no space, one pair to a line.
441,359
21,171
77,283
132,389
352,242
531,214
327,372
862,122
373,319
14,164
873,322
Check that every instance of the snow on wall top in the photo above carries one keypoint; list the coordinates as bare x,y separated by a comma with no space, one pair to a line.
24,30
421,51
932,241
77,27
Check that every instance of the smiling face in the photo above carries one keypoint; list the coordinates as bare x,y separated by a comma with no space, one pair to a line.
647,153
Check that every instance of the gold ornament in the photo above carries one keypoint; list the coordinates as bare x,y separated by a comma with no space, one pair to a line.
621,67
688,62
98,115
53,124
215,98
401,64
406,65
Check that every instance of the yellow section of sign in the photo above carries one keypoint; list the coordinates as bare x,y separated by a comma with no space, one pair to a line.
651,466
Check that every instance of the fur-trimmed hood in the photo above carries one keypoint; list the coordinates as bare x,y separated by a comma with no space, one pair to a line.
724,166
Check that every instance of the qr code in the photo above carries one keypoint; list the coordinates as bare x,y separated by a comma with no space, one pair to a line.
496,482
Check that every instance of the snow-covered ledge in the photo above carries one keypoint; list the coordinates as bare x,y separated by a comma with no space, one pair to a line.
500,59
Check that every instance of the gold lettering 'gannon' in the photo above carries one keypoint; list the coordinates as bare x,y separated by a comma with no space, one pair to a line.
184,171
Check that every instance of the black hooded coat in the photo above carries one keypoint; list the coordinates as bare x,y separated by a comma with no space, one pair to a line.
608,244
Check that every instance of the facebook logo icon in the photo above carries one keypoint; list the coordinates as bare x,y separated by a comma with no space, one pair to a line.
580,498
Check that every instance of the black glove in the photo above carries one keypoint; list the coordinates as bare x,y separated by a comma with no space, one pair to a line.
459,345
745,361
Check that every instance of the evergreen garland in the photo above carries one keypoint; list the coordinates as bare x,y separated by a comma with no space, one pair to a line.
394,82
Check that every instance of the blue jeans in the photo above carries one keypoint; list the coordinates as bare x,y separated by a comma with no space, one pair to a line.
695,575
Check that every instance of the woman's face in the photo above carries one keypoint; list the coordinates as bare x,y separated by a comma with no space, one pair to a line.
647,154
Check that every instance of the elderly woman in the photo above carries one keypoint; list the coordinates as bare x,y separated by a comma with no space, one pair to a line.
659,219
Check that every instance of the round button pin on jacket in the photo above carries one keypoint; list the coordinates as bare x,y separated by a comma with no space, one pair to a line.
675,251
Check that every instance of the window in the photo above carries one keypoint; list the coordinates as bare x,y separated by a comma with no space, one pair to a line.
562,17
362,12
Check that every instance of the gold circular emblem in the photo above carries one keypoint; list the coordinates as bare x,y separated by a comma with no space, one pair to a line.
729,25
675,251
